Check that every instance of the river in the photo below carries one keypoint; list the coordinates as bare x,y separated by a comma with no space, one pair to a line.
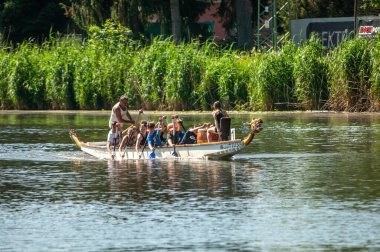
309,181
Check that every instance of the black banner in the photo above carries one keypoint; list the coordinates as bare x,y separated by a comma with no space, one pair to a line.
331,33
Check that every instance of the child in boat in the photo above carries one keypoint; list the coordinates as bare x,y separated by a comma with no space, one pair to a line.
161,124
129,137
153,136
130,134
141,136
113,138
175,138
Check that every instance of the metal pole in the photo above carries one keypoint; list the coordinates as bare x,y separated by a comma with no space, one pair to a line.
275,24
355,14
258,26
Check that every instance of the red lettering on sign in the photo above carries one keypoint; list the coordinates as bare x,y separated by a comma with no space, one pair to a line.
366,29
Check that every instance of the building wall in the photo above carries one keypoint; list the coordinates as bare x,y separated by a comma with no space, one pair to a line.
219,31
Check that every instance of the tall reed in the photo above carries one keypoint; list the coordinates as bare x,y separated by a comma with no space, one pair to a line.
65,73
375,76
60,60
26,77
5,57
310,73
350,69
183,73
150,69
274,79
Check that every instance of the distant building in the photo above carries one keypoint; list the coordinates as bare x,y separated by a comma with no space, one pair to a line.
208,25
219,32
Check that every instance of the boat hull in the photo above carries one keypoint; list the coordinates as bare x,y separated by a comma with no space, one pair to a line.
213,150
198,151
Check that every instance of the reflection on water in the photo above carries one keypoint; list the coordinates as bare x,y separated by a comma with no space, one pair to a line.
175,179
308,182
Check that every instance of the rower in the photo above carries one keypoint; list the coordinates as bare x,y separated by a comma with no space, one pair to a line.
217,114
141,137
113,138
178,134
153,136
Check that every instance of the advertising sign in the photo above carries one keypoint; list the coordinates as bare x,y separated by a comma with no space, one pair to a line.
369,28
331,33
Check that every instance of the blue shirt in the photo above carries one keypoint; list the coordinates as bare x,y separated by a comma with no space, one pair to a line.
154,139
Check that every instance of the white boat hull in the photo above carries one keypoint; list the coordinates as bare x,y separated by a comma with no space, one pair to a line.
198,151
214,150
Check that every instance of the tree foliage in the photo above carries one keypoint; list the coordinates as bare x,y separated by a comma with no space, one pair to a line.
24,19
132,13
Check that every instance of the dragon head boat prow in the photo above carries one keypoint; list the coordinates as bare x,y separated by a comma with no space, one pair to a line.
255,127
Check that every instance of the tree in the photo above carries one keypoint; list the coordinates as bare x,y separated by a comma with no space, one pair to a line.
370,4
176,20
323,8
24,19
244,24
135,13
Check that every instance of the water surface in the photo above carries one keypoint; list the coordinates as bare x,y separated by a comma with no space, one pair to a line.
309,181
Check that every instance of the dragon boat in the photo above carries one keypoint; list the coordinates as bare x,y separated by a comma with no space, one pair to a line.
200,150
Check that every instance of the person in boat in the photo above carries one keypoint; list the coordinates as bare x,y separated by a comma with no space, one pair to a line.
113,138
190,136
153,136
120,113
218,113
175,138
129,137
130,134
198,127
161,124
141,136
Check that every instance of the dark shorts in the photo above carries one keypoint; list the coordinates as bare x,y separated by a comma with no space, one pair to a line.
174,139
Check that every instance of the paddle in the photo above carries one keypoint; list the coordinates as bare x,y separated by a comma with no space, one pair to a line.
142,151
174,153
153,154
180,122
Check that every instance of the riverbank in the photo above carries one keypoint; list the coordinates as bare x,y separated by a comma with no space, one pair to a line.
190,112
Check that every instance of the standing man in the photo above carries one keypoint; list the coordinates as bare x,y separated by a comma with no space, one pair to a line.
120,112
